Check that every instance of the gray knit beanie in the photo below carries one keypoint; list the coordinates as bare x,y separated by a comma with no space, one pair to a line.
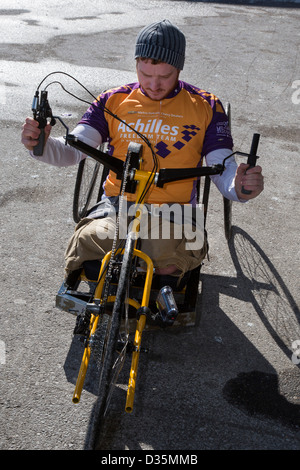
161,41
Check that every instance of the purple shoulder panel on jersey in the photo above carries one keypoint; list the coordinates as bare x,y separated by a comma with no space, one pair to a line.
218,135
95,114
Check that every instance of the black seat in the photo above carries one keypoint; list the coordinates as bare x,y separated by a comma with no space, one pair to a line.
92,269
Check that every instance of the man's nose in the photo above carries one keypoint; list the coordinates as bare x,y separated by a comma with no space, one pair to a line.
155,84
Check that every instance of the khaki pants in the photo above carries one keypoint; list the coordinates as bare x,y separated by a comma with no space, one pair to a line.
93,238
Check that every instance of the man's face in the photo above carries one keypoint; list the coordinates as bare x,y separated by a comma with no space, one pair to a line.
157,80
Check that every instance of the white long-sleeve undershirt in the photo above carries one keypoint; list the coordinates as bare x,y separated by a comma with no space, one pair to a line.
57,153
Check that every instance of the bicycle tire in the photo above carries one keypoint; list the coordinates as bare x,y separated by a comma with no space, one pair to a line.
227,218
104,174
87,173
110,350
227,203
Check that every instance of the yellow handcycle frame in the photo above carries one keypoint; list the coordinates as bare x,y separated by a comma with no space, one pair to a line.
142,178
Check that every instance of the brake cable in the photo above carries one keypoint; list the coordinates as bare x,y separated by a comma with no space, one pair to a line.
107,110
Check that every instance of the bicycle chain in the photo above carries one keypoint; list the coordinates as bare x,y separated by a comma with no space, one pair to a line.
111,261
98,344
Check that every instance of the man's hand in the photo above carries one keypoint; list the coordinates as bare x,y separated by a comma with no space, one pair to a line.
31,132
251,179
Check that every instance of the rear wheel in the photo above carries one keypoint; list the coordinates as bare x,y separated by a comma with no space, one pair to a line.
88,187
227,204
227,218
84,187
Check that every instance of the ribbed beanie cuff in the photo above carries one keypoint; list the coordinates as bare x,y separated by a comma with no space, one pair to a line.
162,41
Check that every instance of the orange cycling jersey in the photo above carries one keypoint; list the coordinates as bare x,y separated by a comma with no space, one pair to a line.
182,128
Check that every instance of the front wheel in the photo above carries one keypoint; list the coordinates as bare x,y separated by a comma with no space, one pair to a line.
111,358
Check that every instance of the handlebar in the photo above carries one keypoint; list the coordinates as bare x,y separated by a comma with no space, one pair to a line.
113,163
165,175
42,111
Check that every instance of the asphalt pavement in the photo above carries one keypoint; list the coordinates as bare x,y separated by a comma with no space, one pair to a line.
233,382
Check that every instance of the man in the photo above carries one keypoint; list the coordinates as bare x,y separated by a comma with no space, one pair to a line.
183,124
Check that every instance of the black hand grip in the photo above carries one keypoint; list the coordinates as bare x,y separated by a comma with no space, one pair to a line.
252,157
253,152
39,148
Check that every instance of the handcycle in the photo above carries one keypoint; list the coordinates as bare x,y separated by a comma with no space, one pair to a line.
103,319
103,313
